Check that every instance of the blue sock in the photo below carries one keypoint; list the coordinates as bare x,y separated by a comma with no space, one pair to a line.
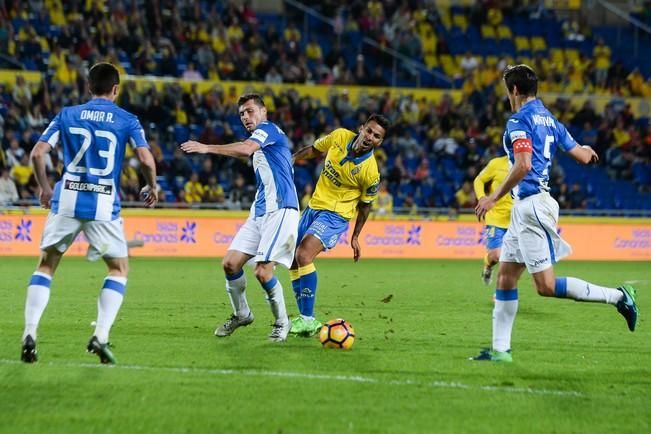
296,286
308,281
560,289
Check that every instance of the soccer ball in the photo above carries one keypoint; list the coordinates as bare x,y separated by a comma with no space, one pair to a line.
337,333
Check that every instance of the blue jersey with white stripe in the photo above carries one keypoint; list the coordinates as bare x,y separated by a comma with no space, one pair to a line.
93,137
535,123
273,168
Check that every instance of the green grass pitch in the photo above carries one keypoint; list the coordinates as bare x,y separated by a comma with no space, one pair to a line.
577,368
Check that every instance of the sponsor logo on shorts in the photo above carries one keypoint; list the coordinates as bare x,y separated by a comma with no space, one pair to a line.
88,186
539,262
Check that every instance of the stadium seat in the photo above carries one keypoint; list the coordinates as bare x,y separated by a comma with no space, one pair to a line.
461,21
538,44
522,43
504,32
488,32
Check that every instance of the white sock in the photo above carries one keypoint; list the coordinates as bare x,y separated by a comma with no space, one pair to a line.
276,299
38,295
580,290
236,289
506,307
307,318
108,304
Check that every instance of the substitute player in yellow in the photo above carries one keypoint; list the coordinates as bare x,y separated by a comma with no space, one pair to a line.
349,182
498,218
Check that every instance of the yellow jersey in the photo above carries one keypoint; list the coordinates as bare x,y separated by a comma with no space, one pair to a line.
345,180
495,173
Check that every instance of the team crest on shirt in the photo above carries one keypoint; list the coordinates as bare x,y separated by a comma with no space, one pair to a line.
355,171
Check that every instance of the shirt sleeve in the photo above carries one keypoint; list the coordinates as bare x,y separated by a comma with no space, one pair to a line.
565,139
520,136
52,132
479,184
137,135
370,186
263,135
324,143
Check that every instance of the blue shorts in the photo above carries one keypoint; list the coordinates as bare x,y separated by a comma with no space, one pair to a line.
494,237
327,226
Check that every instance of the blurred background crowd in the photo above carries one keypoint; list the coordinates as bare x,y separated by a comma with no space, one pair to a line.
431,154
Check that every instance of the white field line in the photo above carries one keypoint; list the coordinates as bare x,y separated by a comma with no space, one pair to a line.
306,376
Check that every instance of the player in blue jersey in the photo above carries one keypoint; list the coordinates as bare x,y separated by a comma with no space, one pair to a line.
268,236
93,138
531,138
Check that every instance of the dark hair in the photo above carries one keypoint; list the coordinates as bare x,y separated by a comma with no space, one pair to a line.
102,77
380,120
257,99
522,77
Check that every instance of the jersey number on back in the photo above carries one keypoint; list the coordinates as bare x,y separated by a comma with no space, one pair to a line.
108,155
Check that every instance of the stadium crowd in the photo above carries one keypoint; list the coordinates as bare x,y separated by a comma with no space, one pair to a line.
429,158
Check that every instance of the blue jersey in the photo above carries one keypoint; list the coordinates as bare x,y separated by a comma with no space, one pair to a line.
536,128
93,137
273,168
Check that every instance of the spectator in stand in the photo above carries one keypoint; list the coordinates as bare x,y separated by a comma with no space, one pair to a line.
601,54
468,63
180,168
383,206
191,73
8,190
194,189
577,197
207,170
22,174
213,191
307,195
465,196
561,195
240,195
15,153
21,93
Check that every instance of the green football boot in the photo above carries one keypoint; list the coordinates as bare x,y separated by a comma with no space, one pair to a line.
298,325
494,356
312,327
305,328
627,306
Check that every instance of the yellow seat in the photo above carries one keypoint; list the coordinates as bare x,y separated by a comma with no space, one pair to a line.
431,60
504,32
492,60
460,21
524,59
444,14
487,32
522,43
449,65
538,44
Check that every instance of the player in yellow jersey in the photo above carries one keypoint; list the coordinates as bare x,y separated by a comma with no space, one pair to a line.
498,218
348,183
